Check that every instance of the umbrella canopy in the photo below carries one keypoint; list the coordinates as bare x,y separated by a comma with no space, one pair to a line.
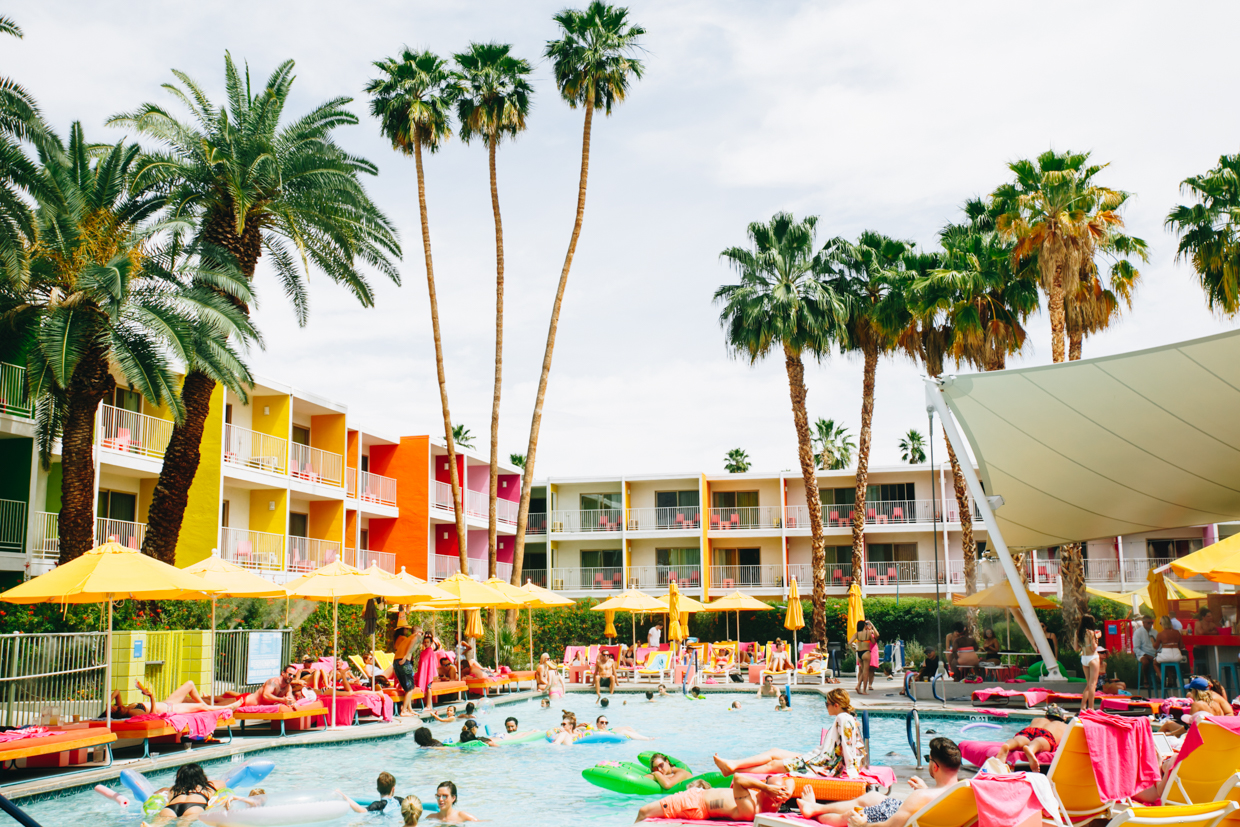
631,600
674,630
341,583
737,601
1157,588
856,610
473,624
1174,591
233,580
795,618
517,597
1002,597
685,603
545,598
610,631
1219,562
464,592
112,572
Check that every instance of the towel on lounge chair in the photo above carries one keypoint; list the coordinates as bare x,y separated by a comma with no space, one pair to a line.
1192,740
1006,800
199,724
25,732
977,752
1032,697
264,709
1122,752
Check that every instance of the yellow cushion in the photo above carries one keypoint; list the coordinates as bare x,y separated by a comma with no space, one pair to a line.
1179,811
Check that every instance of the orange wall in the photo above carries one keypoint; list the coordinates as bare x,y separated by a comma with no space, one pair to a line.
351,454
409,464
350,529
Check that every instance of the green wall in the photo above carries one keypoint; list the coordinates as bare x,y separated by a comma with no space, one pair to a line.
53,489
15,469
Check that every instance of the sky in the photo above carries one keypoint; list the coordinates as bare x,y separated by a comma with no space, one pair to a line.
883,116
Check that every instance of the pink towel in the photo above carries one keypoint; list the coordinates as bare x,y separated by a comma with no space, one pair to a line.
1122,752
380,705
1004,800
1032,697
428,671
1193,739
976,753
198,724
25,732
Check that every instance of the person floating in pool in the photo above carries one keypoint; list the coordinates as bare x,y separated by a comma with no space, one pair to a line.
664,773
423,737
542,672
568,729
767,689
188,795
747,797
781,704
411,810
448,717
183,700
385,785
445,796
841,753
469,732
602,724
879,809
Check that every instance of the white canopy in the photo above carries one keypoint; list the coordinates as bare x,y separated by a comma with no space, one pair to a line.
1110,446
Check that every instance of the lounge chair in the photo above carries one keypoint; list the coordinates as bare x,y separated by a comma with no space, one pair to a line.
160,731
297,718
569,653
1191,815
1208,773
61,749
1072,776
657,666
484,686
441,688
817,672
725,669
786,674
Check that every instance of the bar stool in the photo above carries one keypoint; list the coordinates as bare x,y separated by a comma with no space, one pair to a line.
1234,671
1141,676
1162,682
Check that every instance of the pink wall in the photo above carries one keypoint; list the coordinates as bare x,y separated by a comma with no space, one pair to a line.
478,543
505,546
512,491
479,477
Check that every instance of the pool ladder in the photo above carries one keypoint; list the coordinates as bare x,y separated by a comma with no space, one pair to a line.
912,729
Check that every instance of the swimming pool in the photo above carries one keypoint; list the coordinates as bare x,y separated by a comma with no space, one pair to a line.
537,784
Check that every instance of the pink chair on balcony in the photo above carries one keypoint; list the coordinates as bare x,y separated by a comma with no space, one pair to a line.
893,574
244,553
871,516
680,520
714,522
833,518
837,577
617,580
871,576
598,580
897,514
882,518
736,520
791,522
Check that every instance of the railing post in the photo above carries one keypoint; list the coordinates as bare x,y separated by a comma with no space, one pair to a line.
12,693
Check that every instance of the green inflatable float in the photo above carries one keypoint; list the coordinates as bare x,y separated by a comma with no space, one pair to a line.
628,778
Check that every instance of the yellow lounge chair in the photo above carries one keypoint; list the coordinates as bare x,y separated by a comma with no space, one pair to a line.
657,666
384,659
818,672
1191,815
1209,772
1072,776
774,673
360,665
717,649
954,808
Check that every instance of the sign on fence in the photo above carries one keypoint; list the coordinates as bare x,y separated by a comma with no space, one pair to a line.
264,656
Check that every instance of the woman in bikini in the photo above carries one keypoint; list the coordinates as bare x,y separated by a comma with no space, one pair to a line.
860,641
779,657
184,700
188,795
542,673
1089,659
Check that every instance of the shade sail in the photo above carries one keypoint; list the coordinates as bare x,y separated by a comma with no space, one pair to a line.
1002,596
1110,446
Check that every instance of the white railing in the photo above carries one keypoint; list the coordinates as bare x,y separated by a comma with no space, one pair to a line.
536,576
1137,570
45,543
258,550
665,519
747,517
506,511
315,464
128,534
133,433
252,449
797,516
1102,571
804,573
443,496
475,503
12,525
589,520
14,400
377,488
63,670
746,577
657,577
610,578
536,523
385,560
307,554
447,565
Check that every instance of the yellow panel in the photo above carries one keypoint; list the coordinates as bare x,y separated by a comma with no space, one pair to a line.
704,557
200,529
275,423
326,520
263,517
146,490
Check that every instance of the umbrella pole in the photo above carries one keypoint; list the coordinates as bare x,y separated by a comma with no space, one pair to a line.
335,655
212,648
495,628
529,623
107,681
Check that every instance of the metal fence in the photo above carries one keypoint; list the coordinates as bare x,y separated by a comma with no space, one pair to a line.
58,671
232,658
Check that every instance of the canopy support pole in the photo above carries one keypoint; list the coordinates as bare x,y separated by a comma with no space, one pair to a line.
107,680
934,398
335,655
212,695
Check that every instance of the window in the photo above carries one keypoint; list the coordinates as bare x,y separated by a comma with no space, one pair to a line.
117,505
737,556
602,502
676,509
535,560
224,514
676,499
365,459
365,538
677,557
126,400
889,492
838,554
608,558
301,436
228,414
734,499
838,496
538,505
298,525
1172,549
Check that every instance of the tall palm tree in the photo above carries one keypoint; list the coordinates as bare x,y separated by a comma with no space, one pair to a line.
20,122
103,295
913,447
594,64
493,103
1209,232
869,274
833,445
255,185
736,461
783,301
413,101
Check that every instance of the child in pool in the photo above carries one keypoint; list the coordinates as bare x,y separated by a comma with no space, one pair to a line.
781,704
450,716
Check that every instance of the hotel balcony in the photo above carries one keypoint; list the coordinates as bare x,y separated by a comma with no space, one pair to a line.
14,400
374,488
447,565
879,513
748,518
250,449
315,465
688,518
728,578
587,521
264,553
12,525
365,558
126,533
476,504
127,432
656,578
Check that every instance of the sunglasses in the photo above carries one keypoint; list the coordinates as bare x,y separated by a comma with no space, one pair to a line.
604,723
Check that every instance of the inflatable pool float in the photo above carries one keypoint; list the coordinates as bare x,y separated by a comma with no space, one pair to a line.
629,778
522,738
246,775
589,735
277,809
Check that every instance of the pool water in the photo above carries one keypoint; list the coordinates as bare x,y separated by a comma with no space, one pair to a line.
537,783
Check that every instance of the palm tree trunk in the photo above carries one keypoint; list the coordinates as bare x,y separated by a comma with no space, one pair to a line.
863,460
1075,340
1075,599
87,386
527,479
968,545
809,475
492,538
171,496
1058,316
457,504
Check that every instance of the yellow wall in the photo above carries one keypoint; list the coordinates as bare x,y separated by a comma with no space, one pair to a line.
328,433
262,519
326,521
200,529
274,423
146,490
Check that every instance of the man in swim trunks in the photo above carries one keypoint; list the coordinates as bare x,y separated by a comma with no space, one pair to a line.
748,796
1042,735
276,691
604,675
601,724
876,808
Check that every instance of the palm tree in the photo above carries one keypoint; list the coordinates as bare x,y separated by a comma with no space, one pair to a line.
782,301
462,437
104,294
833,445
252,186
593,64
736,461
913,447
1207,229
20,121
870,276
493,103
518,460
413,101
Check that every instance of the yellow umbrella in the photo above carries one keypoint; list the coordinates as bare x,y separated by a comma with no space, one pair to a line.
108,573
610,631
1157,589
464,592
736,602
686,603
541,599
1219,562
856,611
633,601
473,624
1174,591
795,618
1000,597
674,630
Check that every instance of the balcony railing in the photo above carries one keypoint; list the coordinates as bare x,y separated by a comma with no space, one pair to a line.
376,488
315,464
12,525
880,512
133,433
748,517
610,578
447,565
307,554
746,577
251,449
536,523
665,519
259,550
587,520
657,577
45,543
14,400
506,511
126,533
383,559
536,576
443,496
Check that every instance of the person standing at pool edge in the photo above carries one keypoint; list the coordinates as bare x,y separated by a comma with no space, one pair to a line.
655,634
445,796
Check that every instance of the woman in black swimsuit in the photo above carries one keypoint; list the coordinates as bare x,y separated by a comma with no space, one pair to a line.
189,794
